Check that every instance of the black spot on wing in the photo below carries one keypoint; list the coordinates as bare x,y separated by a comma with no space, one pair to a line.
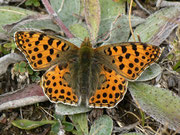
50,41
124,49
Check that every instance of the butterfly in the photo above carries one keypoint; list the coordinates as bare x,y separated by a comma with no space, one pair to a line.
95,77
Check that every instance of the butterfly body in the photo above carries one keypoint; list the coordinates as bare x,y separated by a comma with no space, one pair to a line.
84,71
96,77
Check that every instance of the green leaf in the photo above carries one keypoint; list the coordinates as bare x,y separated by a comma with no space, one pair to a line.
55,128
62,109
36,3
14,14
8,45
22,67
28,2
13,46
11,15
68,126
120,30
35,77
81,123
102,126
75,41
22,70
150,73
16,67
68,10
153,25
176,67
78,30
22,64
32,2
28,124
30,71
92,17
161,104
109,12
38,25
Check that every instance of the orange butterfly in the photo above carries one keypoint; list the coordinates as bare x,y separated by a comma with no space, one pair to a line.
94,77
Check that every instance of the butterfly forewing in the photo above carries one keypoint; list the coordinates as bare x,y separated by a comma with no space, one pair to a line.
41,50
129,59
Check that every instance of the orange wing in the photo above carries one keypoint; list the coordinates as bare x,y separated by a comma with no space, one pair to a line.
41,50
110,90
129,59
56,83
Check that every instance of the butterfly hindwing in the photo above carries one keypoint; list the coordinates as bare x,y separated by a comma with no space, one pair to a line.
41,50
57,87
129,59
110,90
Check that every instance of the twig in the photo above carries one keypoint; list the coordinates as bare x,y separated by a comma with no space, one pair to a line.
139,4
61,6
150,128
129,127
57,20
130,20
21,3
139,38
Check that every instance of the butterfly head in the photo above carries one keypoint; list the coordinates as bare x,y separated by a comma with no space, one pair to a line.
86,42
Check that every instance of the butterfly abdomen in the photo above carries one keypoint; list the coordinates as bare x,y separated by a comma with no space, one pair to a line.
84,72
